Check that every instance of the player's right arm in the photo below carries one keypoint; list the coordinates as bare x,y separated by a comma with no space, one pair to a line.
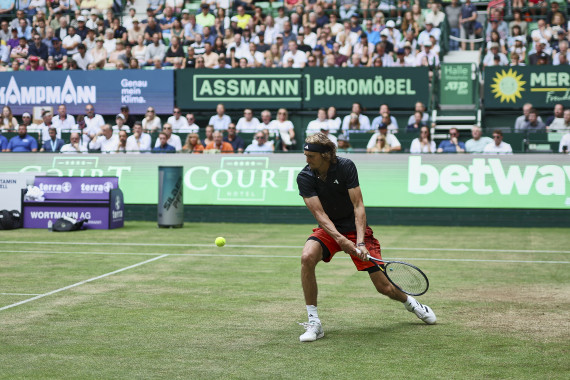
314,205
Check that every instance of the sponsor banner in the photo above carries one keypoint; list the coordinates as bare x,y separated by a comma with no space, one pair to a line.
40,215
512,87
107,90
399,180
307,88
76,188
11,186
398,87
456,83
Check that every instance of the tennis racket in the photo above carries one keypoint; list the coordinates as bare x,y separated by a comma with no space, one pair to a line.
404,276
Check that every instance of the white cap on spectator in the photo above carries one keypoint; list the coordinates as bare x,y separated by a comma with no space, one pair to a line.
135,19
185,11
94,12
427,43
26,114
385,32
324,128
85,12
234,19
80,19
520,38
543,41
390,24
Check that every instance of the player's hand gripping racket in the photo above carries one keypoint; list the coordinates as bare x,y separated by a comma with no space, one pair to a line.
404,276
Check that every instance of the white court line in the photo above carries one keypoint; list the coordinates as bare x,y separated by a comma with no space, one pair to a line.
284,247
19,294
81,283
217,255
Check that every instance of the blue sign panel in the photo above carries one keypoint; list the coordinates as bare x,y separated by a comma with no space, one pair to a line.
106,90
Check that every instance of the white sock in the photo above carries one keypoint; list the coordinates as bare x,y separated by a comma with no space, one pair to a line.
312,313
411,303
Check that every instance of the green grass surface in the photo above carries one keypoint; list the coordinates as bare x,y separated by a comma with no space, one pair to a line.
204,312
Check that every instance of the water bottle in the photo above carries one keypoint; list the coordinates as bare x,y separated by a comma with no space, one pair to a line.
50,225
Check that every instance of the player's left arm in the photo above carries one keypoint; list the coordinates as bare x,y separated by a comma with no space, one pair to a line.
359,216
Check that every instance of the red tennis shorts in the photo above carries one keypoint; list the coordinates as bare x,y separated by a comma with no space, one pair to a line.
330,247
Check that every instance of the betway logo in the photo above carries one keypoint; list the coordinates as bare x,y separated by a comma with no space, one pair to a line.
66,94
483,176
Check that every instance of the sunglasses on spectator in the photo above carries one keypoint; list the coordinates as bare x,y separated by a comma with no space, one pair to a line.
175,111
453,134
497,136
260,138
231,127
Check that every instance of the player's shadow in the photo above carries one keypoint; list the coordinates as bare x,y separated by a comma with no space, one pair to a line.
374,331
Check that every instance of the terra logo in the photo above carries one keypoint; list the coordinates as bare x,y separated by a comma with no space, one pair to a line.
66,187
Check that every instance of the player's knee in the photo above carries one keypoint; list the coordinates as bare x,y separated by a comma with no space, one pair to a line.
385,288
310,257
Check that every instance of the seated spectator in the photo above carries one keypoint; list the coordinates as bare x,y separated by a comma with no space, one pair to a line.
521,120
139,141
122,145
219,145
209,135
151,122
419,107
178,122
391,139
564,146
23,142
192,126
563,125
75,145
52,144
34,64
93,123
498,146
71,41
162,145
477,143
453,145
105,141
343,144
423,143
247,123
192,144
392,125
156,50
174,51
381,145
129,119
58,53
99,53
540,53
83,57
417,123
285,128
317,124
220,120
9,122
171,138
558,114
562,57
135,32
430,30
46,125
334,119
427,57
490,57
363,121
20,52
39,49
533,124
120,124
234,139
260,145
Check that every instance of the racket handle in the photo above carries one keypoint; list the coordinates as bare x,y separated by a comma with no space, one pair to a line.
359,251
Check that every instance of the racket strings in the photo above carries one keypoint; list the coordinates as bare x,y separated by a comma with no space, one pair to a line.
408,278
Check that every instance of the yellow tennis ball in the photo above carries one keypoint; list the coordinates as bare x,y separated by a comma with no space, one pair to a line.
220,241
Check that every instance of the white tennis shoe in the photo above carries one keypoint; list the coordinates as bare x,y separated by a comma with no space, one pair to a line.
313,331
423,312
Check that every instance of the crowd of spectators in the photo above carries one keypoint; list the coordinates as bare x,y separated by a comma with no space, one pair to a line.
129,134
91,35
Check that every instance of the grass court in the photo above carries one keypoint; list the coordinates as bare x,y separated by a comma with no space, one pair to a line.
142,302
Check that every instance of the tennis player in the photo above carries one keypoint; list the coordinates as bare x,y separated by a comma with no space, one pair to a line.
329,186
